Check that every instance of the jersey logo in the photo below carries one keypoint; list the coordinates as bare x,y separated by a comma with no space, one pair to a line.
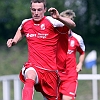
70,51
42,26
72,43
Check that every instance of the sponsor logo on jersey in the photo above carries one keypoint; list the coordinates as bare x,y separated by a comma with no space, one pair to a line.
31,35
38,35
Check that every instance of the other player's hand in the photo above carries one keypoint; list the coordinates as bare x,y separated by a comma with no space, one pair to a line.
54,13
79,67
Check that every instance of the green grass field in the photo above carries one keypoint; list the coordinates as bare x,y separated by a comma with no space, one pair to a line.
11,62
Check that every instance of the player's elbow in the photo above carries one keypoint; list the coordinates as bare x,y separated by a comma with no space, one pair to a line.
73,25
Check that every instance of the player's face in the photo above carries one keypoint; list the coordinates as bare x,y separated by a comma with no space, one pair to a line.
37,10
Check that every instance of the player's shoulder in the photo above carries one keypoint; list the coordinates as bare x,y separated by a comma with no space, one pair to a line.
49,18
54,22
26,20
77,36
79,40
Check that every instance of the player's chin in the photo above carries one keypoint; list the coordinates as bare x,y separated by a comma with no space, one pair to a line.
37,18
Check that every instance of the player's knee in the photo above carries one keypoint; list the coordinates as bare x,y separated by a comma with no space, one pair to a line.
31,75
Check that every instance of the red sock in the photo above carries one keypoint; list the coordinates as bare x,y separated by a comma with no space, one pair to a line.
28,90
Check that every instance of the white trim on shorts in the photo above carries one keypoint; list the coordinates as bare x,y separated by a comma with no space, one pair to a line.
30,68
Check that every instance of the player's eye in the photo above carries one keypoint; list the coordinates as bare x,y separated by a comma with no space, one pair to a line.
36,9
33,9
39,9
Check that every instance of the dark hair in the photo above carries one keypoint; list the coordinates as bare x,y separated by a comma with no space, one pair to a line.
39,1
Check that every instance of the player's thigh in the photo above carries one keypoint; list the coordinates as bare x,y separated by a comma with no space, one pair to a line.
64,97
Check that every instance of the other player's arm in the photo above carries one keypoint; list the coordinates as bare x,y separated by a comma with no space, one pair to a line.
67,21
80,63
18,36
81,50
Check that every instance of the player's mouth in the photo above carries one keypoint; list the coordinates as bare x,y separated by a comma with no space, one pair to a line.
36,17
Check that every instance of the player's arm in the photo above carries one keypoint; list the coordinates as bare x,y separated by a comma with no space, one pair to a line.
81,50
67,21
18,36
81,60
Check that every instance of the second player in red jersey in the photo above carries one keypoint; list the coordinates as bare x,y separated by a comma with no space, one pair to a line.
70,67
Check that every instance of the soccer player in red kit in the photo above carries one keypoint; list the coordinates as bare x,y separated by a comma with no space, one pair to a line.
69,75
40,71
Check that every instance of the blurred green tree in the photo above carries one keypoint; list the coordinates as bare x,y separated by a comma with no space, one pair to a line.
87,20
14,11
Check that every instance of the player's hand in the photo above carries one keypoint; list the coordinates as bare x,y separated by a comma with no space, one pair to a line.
54,13
79,67
10,42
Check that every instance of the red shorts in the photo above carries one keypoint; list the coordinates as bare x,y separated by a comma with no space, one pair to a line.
47,84
68,84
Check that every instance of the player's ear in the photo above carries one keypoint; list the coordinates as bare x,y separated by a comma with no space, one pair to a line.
30,8
45,9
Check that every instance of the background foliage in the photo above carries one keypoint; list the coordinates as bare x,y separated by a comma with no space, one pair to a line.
12,12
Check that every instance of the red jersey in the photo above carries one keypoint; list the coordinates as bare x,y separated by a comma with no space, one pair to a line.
75,44
69,76
42,41
62,48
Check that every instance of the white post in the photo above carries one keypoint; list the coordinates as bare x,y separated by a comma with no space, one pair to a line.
6,90
17,90
94,83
